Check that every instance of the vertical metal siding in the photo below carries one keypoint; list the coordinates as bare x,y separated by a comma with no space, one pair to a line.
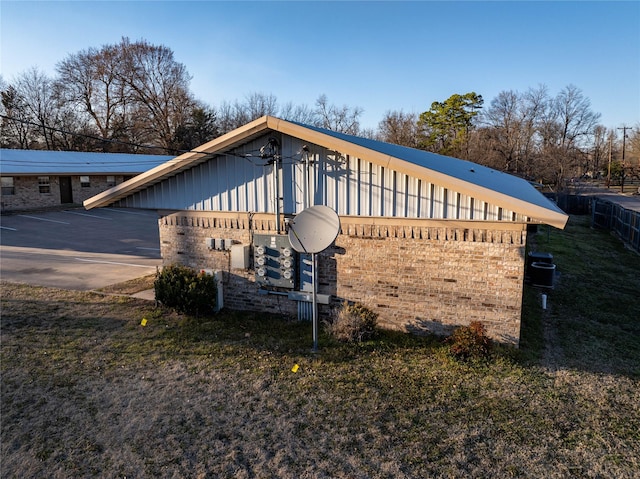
350,185
366,188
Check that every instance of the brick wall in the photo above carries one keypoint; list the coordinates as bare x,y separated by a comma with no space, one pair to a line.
418,275
97,185
27,192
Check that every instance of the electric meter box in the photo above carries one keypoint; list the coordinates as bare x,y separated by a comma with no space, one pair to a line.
239,256
275,261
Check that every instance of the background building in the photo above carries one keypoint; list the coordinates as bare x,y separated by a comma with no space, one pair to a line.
41,179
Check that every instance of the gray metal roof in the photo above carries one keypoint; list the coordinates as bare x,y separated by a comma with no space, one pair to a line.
45,162
467,171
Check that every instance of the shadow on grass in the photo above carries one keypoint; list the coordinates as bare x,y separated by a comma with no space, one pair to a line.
95,325
290,337
591,321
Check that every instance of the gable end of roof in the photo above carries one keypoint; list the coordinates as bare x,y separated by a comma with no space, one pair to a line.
468,178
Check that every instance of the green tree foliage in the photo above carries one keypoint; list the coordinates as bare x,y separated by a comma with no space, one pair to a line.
446,126
185,290
198,129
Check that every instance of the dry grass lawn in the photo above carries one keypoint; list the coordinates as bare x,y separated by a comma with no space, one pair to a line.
88,392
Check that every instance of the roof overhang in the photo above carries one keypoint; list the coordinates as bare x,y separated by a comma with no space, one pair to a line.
178,164
72,173
537,213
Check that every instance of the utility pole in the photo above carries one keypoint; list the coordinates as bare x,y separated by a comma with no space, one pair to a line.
609,169
624,137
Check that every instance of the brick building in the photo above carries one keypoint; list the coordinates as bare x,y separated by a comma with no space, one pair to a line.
428,242
43,179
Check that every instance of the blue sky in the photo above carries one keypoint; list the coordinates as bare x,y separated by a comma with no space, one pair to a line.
379,56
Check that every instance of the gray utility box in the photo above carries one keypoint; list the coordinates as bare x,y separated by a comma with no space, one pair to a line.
275,261
239,256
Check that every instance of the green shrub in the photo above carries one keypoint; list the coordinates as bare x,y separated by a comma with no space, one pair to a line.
352,323
185,290
470,342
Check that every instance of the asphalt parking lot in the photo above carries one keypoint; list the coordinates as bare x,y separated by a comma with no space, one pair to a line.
78,249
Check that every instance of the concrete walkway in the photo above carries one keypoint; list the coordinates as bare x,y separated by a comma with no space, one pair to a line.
149,295
627,201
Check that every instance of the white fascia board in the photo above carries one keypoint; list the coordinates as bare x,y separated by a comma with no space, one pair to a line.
175,165
551,215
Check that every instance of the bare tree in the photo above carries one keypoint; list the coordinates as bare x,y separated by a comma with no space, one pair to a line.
159,88
566,128
504,119
36,90
510,127
400,128
16,121
90,82
298,113
343,119
132,93
633,153
260,104
600,151
31,112
233,115
577,119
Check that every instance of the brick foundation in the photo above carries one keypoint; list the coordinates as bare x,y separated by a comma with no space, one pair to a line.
418,275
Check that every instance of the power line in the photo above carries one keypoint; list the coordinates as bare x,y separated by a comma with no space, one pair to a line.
248,156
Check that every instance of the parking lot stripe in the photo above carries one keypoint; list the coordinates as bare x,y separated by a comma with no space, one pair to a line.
44,219
7,228
126,212
85,214
150,249
113,262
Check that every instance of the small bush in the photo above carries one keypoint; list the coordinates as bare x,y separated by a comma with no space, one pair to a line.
352,323
470,342
185,290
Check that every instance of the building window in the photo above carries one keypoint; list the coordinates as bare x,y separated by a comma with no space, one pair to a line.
7,186
84,181
111,181
43,184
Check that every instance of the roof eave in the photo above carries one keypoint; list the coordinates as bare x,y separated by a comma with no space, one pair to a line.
538,213
190,159
174,166
71,173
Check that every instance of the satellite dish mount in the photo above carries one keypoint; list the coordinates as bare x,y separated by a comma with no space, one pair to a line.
311,232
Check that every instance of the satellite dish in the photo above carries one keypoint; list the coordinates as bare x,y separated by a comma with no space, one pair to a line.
314,229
